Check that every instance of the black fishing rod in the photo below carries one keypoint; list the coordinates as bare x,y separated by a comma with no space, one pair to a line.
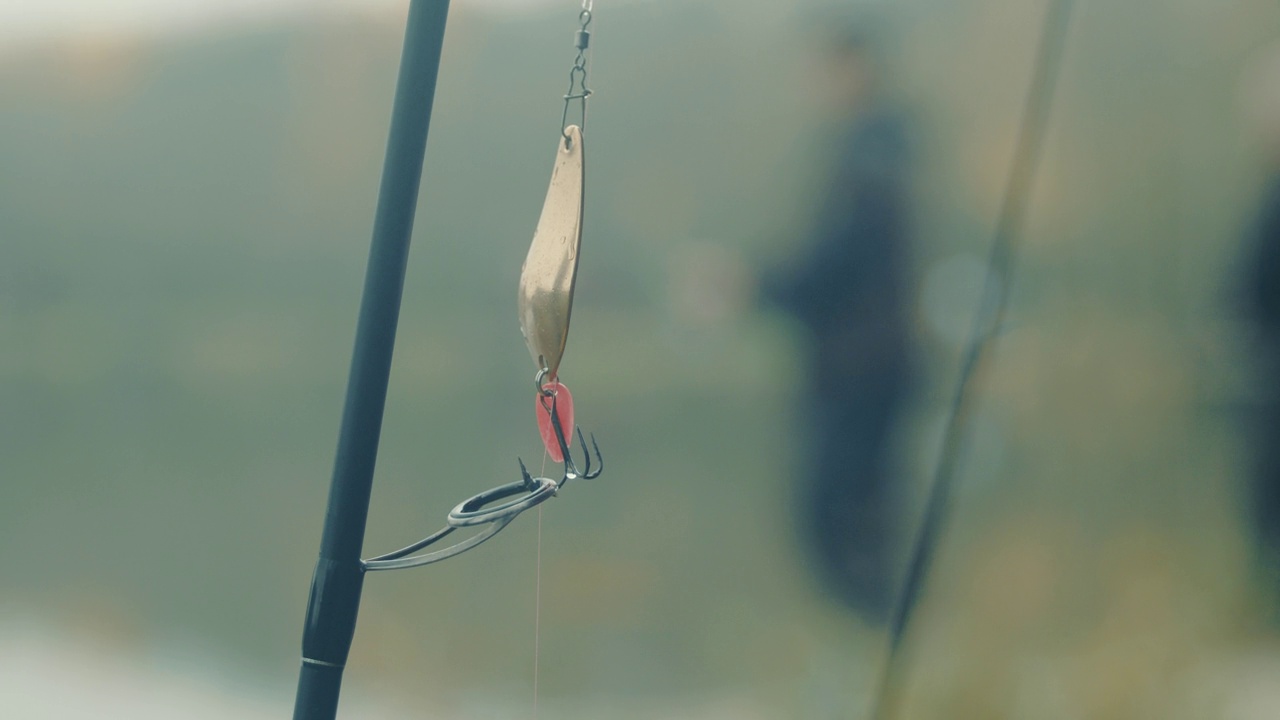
339,574
987,322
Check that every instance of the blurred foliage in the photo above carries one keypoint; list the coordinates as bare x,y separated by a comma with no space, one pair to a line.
183,226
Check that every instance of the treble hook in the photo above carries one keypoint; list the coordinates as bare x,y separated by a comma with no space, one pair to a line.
571,470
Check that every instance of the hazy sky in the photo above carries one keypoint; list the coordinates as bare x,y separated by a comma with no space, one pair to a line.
36,19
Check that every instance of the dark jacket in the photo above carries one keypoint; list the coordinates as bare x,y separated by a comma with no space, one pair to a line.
849,286
1263,283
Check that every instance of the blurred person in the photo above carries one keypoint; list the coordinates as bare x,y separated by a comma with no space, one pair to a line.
1262,298
848,288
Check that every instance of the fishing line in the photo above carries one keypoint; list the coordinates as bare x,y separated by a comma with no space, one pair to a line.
545,301
537,599
987,322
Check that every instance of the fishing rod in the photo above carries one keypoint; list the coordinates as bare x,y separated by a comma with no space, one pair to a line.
334,600
987,323
544,306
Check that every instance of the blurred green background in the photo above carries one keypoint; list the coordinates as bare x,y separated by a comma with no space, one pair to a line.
184,220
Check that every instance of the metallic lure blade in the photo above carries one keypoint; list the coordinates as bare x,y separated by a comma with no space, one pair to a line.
550,270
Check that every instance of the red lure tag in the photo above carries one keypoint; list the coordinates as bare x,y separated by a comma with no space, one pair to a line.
561,402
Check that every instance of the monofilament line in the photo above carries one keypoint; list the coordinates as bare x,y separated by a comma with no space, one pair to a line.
537,613
537,597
